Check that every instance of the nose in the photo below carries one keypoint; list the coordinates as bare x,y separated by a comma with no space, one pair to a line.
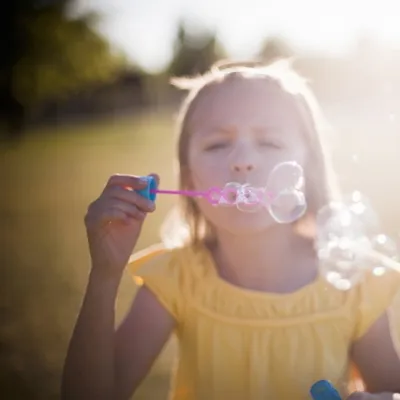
242,158
242,166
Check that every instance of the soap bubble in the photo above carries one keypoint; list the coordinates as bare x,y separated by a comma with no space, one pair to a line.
283,196
214,196
229,194
287,206
362,208
387,247
286,201
337,220
250,199
348,243
245,197
340,264
285,176
351,218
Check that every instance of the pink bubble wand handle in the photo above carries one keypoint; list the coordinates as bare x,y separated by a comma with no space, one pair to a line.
212,195
208,195
189,193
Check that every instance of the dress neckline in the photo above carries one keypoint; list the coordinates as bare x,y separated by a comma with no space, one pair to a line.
215,278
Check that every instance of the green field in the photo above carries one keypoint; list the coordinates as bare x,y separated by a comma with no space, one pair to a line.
47,184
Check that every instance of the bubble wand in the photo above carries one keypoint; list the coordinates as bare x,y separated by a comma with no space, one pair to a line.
283,195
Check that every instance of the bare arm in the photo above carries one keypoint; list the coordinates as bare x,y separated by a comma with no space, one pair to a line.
102,363
139,340
377,358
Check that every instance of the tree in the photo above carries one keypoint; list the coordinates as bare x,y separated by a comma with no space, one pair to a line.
194,53
48,55
274,48
55,65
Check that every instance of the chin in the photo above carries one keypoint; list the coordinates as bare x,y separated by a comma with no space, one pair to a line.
238,222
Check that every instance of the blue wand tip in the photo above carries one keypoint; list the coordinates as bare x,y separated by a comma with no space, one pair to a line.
148,191
323,390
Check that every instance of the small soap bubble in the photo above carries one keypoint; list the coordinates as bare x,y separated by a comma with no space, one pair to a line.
360,206
214,196
348,244
386,247
243,196
229,194
250,199
340,264
287,206
335,220
353,217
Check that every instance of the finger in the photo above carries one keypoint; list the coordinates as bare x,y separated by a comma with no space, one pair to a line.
131,197
130,181
114,214
362,396
120,213
128,209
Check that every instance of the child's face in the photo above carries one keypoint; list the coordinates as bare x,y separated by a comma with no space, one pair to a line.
240,130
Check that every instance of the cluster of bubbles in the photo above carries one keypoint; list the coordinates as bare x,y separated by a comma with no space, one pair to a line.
283,196
349,242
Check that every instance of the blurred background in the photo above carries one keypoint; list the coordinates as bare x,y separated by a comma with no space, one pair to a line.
85,93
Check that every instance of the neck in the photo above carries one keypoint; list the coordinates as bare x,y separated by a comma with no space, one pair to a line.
279,260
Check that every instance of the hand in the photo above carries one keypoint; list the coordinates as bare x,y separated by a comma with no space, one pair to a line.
369,396
114,221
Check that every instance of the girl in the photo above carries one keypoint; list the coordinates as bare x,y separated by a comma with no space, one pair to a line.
254,317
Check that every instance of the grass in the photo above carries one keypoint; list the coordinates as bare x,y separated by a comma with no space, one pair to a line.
47,184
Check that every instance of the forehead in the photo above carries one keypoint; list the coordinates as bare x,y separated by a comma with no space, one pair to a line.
236,102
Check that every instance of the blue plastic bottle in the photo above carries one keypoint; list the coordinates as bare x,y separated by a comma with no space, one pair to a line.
323,390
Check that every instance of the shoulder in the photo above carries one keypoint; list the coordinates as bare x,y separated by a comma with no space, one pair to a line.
159,260
374,296
168,273
151,259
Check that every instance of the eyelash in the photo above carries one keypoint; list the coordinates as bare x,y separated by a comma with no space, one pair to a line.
218,146
215,146
270,144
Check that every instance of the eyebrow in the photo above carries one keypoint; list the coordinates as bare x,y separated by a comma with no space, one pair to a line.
258,128
217,131
220,130
268,128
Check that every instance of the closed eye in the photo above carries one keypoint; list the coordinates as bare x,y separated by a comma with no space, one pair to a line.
216,146
269,143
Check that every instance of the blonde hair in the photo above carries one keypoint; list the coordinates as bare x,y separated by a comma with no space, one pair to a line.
186,224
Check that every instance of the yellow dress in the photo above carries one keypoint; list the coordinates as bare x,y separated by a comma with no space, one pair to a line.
241,344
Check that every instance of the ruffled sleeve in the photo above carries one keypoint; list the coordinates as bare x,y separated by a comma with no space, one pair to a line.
376,295
156,268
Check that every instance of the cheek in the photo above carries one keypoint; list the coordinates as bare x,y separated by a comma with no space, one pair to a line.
299,151
207,172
